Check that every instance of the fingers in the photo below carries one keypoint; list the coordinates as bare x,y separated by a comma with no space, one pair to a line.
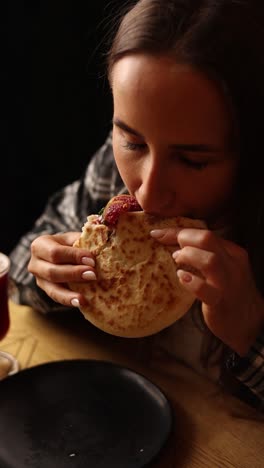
168,236
199,288
206,264
61,273
66,238
212,255
61,294
200,249
201,238
54,279
211,242
197,260
58,249
55,262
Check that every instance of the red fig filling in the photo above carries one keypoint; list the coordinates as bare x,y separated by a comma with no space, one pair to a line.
116,206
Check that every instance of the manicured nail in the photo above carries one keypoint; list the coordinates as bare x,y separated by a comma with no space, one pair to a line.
88,261
89,275
176,254
156,233
184,276
75,302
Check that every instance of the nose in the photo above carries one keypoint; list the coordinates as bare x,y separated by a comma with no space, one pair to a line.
154,194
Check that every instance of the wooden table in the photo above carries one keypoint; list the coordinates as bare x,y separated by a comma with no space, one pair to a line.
212,430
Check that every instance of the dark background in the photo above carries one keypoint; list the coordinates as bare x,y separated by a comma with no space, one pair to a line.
57,103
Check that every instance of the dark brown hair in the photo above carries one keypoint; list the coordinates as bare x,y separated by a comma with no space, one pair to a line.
225,39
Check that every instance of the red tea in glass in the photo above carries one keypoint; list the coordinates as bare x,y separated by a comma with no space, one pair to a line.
4,311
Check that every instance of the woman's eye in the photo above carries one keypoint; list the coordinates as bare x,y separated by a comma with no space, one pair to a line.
198,165
133,146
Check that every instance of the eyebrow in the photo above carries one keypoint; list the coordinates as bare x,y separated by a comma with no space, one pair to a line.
119,123
200,147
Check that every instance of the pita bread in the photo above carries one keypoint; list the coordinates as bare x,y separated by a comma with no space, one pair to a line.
137,292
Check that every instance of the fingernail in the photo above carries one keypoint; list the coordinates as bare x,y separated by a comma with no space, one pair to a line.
75,302
89,275
176,254
184,276
88,261
156,233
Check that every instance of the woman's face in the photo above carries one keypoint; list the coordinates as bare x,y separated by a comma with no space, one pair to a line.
171,137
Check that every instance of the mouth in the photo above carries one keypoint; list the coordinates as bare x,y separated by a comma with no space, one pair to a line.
167,214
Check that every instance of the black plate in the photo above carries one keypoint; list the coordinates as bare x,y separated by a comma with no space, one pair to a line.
81,414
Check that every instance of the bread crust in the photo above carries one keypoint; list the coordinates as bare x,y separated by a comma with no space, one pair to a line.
137,292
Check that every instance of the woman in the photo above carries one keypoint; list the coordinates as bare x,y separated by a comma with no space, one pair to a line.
187,80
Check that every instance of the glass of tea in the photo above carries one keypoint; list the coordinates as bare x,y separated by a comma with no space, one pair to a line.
8,364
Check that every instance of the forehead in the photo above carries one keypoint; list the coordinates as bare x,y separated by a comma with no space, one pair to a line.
172,96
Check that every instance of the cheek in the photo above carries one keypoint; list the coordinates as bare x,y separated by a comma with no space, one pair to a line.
218,190
225,182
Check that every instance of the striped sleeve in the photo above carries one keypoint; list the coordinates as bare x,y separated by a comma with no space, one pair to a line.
249,369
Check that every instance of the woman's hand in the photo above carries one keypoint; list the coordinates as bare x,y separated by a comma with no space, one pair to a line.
220,277
55,262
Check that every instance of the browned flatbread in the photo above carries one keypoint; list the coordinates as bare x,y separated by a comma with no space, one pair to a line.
137,292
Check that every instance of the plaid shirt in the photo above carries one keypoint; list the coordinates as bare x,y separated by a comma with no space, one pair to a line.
67,210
